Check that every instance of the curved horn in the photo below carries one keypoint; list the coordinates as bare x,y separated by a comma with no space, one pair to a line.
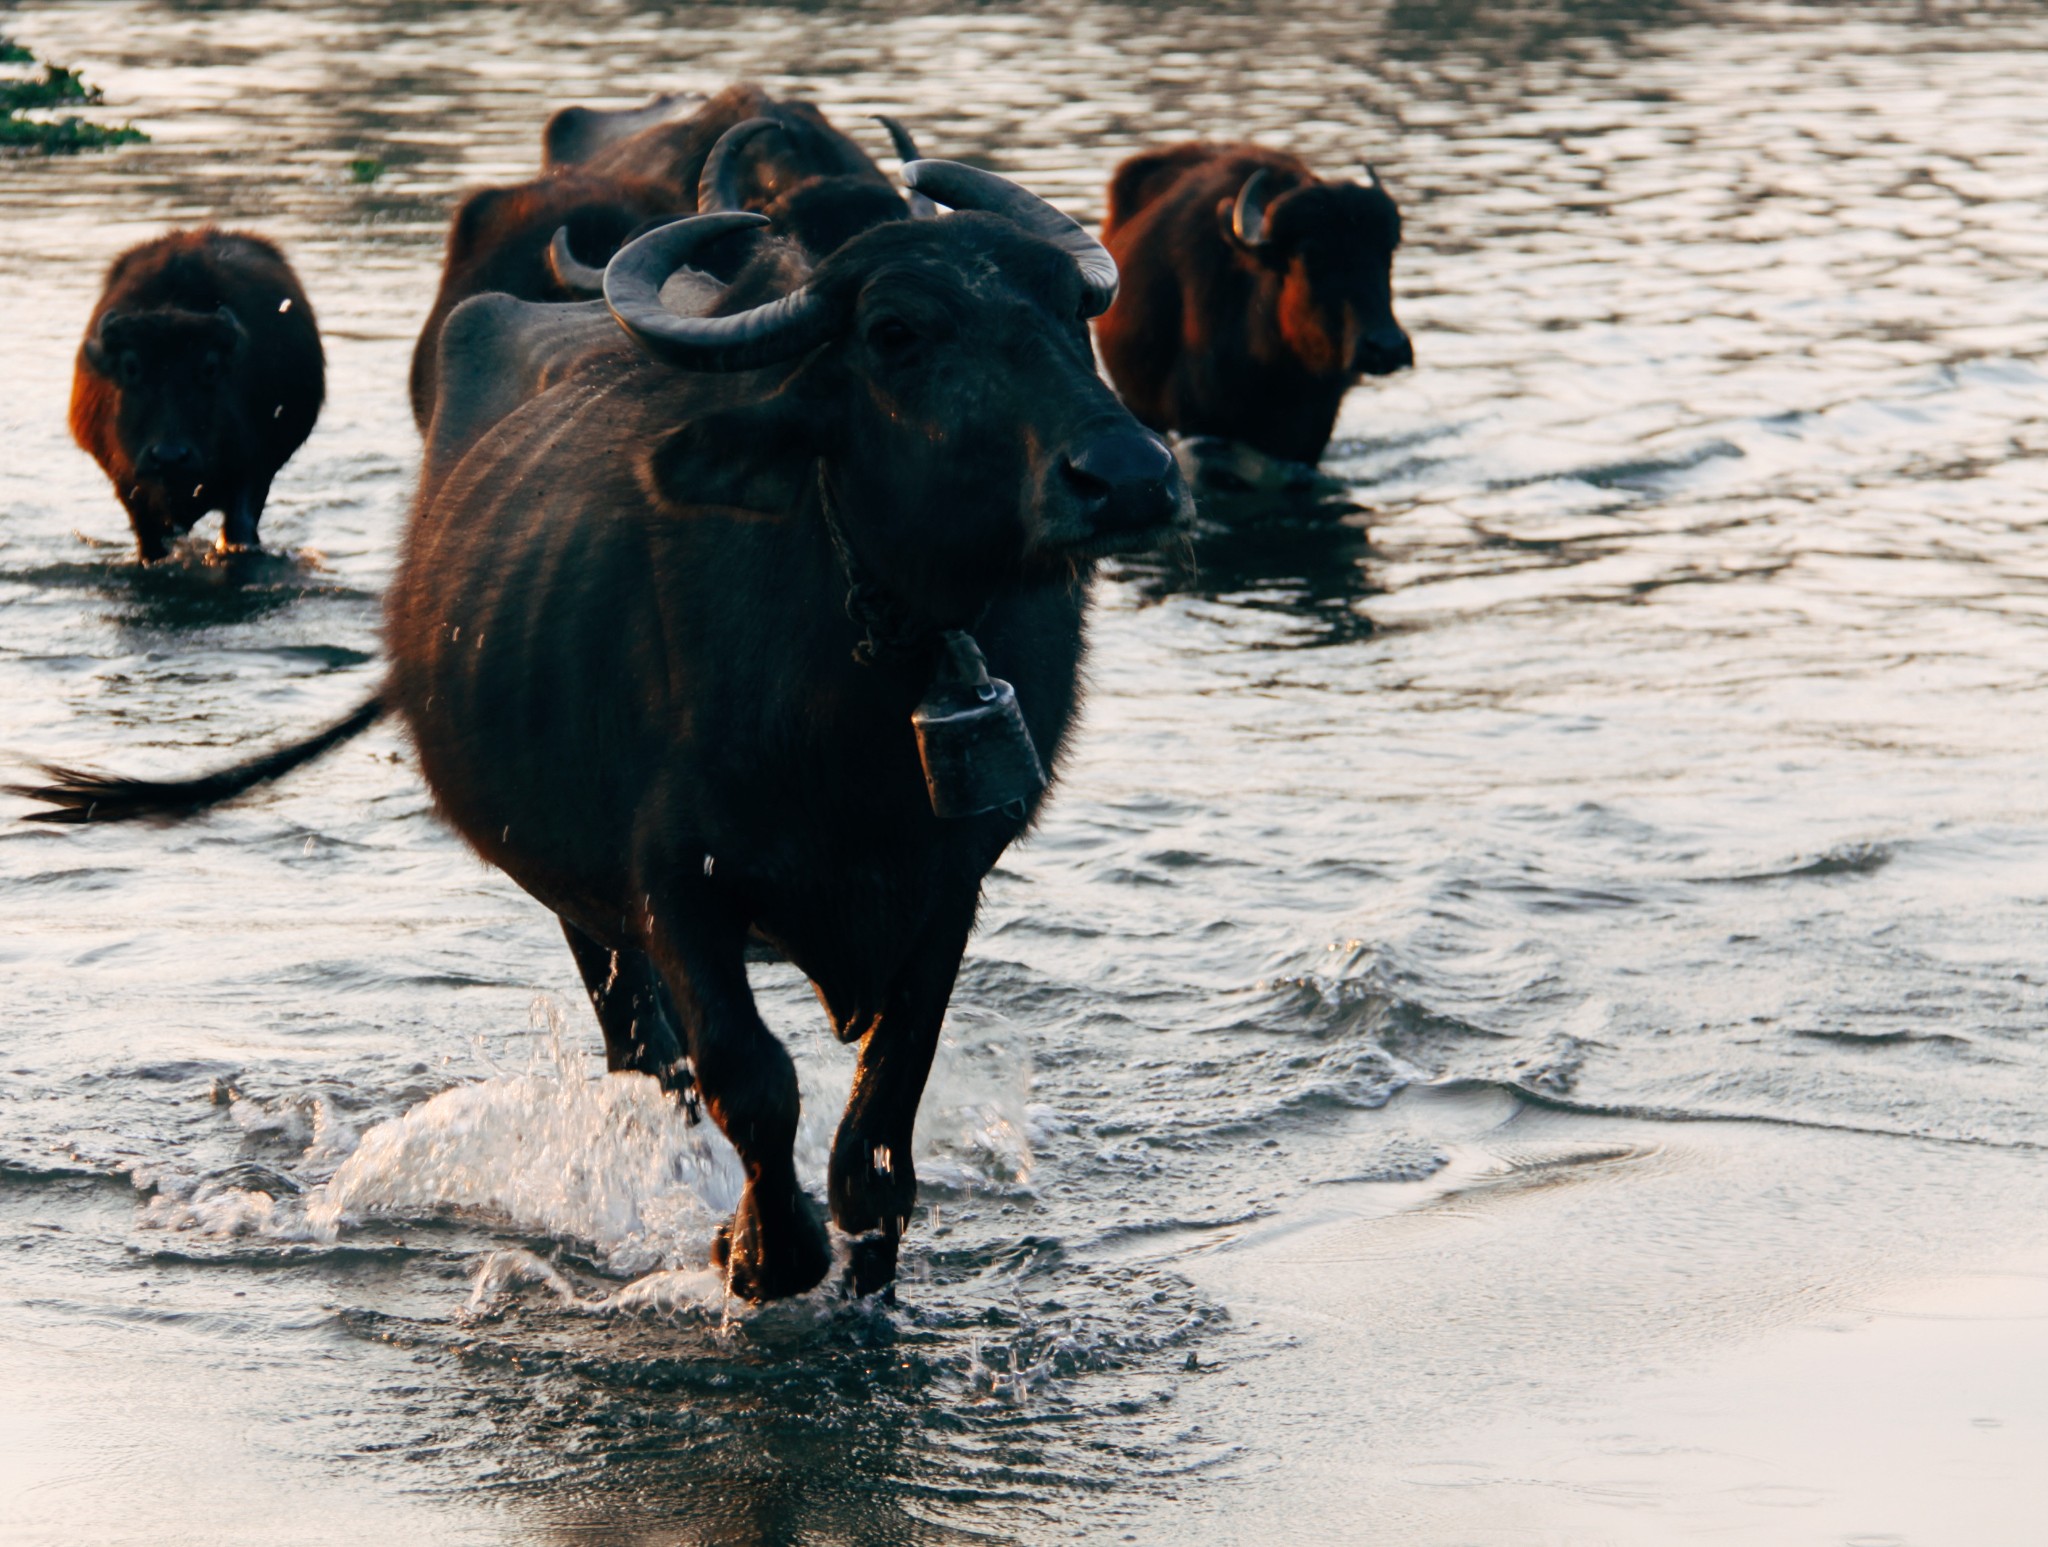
921,208
1248,215
570,272
718,186
779,330
966,187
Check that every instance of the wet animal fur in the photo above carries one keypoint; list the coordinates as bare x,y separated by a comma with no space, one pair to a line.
619,638
1210,338
247,420
498,241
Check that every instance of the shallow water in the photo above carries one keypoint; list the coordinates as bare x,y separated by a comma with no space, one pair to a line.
1655,732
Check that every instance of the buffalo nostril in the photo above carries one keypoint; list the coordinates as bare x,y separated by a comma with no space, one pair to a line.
1382,352
1090,487
1127,481
169,456
1118,461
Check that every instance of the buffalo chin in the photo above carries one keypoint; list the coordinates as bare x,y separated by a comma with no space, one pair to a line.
1107,545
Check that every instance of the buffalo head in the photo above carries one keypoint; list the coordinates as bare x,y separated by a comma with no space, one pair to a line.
934,379
172,373
1332,244
820,214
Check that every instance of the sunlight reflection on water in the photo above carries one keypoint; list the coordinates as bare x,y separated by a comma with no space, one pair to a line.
1659,731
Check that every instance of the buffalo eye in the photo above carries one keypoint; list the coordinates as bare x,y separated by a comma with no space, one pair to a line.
209,370
892,338
131,368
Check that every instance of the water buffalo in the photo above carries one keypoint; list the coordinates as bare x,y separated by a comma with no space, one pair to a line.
806,220
200,374
673,153
819,214
547,240
675,603
500,240
574,134
1255,294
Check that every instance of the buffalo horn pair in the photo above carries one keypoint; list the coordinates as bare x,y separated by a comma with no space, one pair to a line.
799,322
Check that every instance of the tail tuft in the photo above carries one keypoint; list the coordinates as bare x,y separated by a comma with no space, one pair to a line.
77,795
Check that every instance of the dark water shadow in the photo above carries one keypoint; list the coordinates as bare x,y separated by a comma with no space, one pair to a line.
666,1430
1300,553
946,1420
195,589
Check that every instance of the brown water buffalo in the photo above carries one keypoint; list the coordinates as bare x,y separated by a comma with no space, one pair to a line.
806,221
673,153
819,214
200,374
676,604
573,135
500,240
1255,294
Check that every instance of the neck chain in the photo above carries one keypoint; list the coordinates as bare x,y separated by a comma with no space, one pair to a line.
889,629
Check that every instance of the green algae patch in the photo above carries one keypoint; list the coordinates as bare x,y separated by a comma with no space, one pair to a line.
30,123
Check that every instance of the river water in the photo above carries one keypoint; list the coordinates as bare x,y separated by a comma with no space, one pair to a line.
1652,728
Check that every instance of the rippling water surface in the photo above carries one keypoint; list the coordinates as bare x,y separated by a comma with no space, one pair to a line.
1652,727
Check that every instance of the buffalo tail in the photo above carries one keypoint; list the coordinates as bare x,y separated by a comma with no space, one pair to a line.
80,795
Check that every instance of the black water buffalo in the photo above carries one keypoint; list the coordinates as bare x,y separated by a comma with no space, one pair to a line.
1255,294
669,601
501,240
200,374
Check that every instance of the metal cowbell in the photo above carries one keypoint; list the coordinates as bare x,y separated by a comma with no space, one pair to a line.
977,750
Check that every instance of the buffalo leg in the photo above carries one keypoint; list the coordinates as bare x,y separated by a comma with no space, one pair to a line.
641,1031
238,521
152,531
873,1183
776,1244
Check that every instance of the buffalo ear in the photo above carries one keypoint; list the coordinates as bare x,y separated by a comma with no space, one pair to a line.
99,346
750,464
231,327
473,219
1225,226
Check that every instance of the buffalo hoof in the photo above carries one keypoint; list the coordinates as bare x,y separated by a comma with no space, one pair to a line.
772,1253
871,1263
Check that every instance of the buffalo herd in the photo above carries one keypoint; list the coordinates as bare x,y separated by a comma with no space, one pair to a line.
742,600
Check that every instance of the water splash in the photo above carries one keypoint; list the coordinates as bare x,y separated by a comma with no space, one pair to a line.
605,1160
